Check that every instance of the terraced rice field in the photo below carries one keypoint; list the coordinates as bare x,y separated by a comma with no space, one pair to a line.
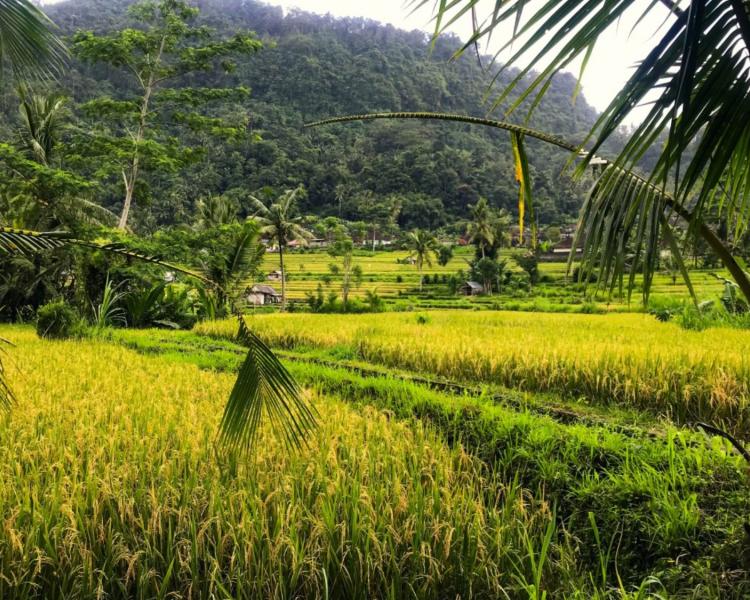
383,273
630,360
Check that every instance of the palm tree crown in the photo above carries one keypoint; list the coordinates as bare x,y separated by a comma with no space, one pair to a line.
423,246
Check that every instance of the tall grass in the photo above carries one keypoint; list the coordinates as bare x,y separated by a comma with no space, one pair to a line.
627,359
109,487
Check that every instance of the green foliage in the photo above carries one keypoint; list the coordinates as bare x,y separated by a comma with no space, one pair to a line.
233,269
336,66
142,306
529,262
444,254
57,320
491,273
108,312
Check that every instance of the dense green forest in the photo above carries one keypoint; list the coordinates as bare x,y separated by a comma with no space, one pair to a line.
312,67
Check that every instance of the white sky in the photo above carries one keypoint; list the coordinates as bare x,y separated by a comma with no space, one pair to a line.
608,68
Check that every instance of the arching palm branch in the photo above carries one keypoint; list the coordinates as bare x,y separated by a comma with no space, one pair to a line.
622,210
695,77
27,42
263,386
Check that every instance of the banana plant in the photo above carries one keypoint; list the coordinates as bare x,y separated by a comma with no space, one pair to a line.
264,389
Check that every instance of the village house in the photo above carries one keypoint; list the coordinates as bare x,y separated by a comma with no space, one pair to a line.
260,295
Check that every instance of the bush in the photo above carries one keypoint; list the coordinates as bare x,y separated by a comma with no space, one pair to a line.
57,320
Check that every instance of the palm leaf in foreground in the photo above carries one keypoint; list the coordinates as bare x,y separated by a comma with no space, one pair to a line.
27,42
263,386
623,210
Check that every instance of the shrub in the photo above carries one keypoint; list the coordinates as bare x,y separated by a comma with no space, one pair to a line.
57,320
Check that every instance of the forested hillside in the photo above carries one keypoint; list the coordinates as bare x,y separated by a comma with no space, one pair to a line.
317,66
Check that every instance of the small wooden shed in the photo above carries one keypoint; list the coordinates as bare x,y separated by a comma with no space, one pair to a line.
471,288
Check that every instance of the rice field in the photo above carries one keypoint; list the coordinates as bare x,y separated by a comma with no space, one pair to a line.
629,360
386,273
110,485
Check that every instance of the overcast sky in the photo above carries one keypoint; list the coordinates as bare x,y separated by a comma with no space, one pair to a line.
608,68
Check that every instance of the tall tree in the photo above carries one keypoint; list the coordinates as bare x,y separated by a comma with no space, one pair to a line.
159,55
279,222
423,247
351,274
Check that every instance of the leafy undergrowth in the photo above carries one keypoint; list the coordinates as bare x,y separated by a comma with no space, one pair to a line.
626,360
628,505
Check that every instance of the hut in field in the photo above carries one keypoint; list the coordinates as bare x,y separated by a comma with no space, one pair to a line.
260,295
275,276
471,288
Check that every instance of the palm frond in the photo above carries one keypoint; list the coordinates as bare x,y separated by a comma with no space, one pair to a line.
263,387
694,80
27,41
523,178
622,212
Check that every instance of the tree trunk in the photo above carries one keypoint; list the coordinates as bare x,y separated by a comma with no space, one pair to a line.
731,264
131,179
283,278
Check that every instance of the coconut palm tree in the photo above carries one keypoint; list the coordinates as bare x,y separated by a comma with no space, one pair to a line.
278,222
232,269
423,246
214,211
480,229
